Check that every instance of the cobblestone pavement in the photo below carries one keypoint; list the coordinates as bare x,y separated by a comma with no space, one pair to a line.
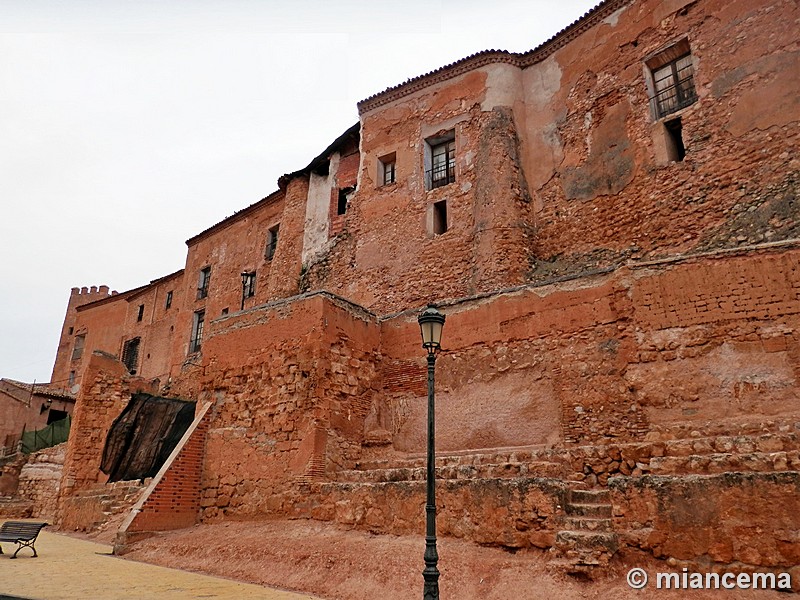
75,569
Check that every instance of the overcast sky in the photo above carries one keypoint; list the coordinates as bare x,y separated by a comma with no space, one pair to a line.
128,127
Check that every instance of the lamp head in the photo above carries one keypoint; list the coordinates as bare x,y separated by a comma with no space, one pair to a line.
431,323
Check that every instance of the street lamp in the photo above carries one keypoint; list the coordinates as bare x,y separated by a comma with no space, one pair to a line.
431,322
245,280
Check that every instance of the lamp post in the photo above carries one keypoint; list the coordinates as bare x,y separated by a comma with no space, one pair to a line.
245,279
431,322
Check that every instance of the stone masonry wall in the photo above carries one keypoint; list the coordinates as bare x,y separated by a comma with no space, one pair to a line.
40,480
747,519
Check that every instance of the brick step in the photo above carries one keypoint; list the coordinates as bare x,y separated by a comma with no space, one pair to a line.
485,471
594,511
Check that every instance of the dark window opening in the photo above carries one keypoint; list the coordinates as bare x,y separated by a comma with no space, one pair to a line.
77,349
676,151
440,217
272,242
130,354
56,415
140,314
71,329
341,204
202,283
197,331
442,168
224,311
71,378
168,301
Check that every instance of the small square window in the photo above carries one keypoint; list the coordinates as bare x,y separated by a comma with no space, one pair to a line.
168,301
140,314
387,169
224,311
71,329
272,242
203,282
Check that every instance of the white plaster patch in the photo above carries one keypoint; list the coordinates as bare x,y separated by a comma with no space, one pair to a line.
613,18
503,86
545,83
315,230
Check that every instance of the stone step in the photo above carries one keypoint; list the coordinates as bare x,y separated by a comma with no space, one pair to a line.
723,462
596,511
589,496
484,471
588,524
578,541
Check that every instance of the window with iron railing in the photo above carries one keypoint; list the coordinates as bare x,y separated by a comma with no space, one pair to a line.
130,354
443,164
670,74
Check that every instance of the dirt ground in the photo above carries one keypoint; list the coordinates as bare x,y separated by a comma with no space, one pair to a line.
340,564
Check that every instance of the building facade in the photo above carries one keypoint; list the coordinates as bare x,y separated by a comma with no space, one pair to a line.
610,223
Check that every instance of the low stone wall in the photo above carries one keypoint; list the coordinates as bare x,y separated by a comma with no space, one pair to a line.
742,519
513,513
94,509
40,480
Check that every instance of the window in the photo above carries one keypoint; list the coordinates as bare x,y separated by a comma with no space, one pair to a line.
71,378
130,354
248,284
672,80
197,331
272,242
168,301
676,151
224,311
140,314
77,349
341,205
440,217
440,160
202,283
71,329
387,169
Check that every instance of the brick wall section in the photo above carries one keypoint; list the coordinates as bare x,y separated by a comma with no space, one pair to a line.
765,286
173,500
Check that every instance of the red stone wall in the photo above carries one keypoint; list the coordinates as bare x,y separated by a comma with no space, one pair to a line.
744,519
595,157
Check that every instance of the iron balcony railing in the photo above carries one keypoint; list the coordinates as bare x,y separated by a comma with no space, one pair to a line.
673,98
441,175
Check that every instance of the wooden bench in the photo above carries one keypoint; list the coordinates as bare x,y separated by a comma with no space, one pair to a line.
22,533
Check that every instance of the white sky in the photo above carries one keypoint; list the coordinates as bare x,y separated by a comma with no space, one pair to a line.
128,127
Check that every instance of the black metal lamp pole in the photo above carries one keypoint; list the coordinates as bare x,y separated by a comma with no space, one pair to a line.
245,277
431,322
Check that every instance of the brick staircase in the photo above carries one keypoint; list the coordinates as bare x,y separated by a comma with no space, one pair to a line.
587,540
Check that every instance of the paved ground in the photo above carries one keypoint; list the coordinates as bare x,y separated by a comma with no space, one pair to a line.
75,569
